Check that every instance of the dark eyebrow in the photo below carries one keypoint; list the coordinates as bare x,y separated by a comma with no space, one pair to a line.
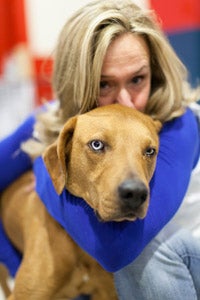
134,74
142,69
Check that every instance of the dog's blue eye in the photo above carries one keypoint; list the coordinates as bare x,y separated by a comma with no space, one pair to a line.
150,151
96,145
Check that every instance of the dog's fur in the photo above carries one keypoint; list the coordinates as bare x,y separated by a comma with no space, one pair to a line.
3,281
107,157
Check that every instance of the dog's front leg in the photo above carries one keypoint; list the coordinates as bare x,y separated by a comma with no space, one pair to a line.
28,284
49,256
39,279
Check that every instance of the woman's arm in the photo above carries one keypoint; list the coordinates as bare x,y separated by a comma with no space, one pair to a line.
116,244
9,256
13,161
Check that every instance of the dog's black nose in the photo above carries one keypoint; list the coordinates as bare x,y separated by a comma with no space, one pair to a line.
132,193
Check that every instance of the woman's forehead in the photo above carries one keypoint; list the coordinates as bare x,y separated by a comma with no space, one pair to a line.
126,48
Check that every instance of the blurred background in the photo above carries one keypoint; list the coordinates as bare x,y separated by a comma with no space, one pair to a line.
28,35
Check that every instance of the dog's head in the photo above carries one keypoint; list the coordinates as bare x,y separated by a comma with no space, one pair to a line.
107,157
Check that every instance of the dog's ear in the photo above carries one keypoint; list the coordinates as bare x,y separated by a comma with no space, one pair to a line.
158,125
55,155
54,167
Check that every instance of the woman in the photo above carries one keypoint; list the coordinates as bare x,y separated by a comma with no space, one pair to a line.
108,52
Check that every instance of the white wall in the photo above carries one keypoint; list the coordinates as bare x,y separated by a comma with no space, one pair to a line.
45,19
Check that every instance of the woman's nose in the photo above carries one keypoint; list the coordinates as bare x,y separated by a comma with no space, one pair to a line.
124,97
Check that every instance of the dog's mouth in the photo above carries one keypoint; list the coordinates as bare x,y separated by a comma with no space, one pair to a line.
128,217
119,217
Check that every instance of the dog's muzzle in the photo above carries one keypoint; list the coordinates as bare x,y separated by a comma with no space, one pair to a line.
132,194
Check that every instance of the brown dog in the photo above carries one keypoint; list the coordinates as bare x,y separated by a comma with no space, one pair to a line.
107,157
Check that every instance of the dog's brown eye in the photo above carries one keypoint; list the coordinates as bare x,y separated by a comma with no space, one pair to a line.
97,145
150,152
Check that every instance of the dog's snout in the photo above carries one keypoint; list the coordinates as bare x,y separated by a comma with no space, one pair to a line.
132,193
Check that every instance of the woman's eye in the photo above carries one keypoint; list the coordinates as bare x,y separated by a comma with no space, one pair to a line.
137,79
97,145
150,152
103,84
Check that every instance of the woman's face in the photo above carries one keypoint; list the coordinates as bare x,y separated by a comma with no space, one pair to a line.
126,73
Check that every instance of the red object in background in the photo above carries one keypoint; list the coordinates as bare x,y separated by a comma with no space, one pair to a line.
43,72
12,27
178,15
13,31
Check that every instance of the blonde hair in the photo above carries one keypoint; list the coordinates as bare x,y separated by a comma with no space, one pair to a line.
79,56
